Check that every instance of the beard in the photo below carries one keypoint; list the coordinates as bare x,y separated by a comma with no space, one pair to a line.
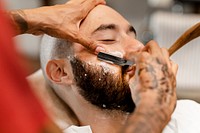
101,87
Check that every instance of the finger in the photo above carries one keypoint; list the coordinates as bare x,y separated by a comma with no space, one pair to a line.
170,63
95,2
153,48
87,5
137,56
174,67
165,53
131,55
92,3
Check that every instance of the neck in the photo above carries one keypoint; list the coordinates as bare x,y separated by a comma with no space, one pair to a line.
56,109
103,120
100,120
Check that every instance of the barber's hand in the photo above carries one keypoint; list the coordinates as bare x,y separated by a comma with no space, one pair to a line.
153,87
62,21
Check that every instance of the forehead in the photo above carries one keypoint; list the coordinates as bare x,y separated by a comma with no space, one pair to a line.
102,15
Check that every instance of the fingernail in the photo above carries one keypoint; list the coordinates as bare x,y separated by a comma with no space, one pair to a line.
99,49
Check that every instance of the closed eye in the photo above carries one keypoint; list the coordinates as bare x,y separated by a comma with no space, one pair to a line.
107,40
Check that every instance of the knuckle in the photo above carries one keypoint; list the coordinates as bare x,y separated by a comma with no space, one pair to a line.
144,55
82,10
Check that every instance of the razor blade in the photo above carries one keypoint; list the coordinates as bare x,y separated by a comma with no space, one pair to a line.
114,59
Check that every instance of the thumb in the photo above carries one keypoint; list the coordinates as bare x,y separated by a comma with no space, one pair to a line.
132,56
88,5
85,6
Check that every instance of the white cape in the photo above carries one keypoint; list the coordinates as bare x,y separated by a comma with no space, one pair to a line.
185,119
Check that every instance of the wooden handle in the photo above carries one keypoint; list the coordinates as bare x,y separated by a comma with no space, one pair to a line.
189,35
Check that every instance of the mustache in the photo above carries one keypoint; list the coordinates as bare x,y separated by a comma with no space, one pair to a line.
100,86
124,69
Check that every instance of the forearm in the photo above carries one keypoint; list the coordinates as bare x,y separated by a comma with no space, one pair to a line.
146,120
18,20
30,21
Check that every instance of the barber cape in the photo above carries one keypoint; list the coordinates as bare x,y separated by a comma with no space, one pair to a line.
185,119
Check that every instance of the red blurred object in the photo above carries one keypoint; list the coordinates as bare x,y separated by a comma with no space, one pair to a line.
20,111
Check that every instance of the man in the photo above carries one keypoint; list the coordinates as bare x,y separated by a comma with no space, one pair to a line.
27,21
107,115
96,93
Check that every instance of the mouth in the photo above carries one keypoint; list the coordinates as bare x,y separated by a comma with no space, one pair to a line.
131,70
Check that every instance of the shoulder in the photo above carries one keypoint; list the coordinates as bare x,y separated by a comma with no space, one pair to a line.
189,107
191,103
185,118
187,115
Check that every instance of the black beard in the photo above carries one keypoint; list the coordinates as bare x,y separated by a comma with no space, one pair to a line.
102,88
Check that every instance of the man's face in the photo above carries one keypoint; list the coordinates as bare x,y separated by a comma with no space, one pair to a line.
102,84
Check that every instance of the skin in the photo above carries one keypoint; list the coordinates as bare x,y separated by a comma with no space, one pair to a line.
152,81
155,80
147,83
62,21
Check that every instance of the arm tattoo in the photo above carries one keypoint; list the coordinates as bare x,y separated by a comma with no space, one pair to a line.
18,17
154,76
148,122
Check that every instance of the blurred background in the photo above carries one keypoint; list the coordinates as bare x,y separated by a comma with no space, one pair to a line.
161,20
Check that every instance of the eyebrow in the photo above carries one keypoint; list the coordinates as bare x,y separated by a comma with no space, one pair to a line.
105,27
112,27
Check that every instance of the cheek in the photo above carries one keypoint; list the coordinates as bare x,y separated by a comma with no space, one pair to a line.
107,67
83,54
91,59
78,48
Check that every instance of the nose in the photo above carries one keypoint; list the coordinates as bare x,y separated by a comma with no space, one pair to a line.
126,46
131,45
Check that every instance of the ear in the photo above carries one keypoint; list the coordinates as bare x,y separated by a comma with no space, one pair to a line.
57,72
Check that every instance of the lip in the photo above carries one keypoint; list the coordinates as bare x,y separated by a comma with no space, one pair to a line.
131,70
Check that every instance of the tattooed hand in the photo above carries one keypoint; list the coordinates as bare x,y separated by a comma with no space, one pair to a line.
153,90
60,21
